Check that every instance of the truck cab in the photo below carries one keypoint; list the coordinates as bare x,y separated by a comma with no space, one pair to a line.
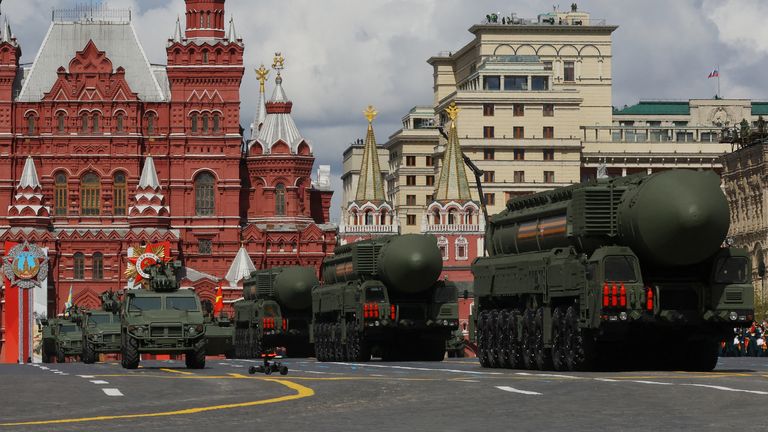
101,334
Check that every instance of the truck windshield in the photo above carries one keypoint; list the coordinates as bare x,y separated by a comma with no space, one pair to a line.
100,319
731,270
68,328
181,303
374,294
139,304
620,269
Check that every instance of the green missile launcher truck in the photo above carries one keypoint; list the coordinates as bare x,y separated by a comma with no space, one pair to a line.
620,272
101,329
162,319
384,297
275,312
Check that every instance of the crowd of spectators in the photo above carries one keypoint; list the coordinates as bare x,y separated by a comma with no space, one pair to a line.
746,342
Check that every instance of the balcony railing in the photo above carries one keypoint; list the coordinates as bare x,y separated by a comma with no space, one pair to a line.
368,229
455,228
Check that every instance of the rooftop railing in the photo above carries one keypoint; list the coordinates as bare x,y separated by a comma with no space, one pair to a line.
89,14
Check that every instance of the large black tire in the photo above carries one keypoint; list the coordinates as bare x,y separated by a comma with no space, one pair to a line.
89,352
254,342
321,342
340,352
543,354
130,351
559,340
46,356
581,349
357,350
494,340
196,359
433,350
60,358
481,333
503,339
528,340
515,346
701,355
239,343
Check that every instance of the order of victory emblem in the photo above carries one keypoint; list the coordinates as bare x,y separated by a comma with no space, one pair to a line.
26,266
143,257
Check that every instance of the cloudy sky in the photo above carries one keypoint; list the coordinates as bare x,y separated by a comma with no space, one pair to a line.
342,55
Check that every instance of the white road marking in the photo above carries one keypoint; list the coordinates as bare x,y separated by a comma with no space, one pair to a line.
514,390
727,389
85,376
467,380
649,382
99,382
43,368
112,392
417,368
548,375
607,380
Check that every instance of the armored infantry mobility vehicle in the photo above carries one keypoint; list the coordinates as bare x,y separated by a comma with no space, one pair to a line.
62,338
384,297
622,272
275,312
162,319
101,329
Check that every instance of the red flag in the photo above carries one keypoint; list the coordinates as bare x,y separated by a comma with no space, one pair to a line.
219,304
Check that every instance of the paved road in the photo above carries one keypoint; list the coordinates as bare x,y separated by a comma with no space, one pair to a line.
417,396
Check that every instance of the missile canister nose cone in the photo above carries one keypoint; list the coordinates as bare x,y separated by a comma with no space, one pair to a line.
411,263
676,218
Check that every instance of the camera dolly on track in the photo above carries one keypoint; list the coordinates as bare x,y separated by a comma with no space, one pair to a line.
268,367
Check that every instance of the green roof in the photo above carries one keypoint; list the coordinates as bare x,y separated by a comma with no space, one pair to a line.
759,108
656,108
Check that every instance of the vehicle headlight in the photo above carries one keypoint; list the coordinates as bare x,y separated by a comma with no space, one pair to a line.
192,331
733,316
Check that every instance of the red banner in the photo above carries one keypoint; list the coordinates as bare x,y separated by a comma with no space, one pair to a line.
10,349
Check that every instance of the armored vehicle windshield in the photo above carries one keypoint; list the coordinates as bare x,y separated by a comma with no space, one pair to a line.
139,304
66,328
188,304
100,319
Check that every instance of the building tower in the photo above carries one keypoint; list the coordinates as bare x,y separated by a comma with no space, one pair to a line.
452,216
369,214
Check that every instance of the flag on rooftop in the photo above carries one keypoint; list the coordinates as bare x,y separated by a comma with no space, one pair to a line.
714,74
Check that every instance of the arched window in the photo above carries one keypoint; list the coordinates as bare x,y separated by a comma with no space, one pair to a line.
95,123
60,194
31,124
436,217
383,217
120,122
469,216
216,122
280,200
151,119
205,57
205,123
120,194
84,121
452,217
202,21
204,203
368,217
98,266
61,119
194,122
461,248
79,266
90,195
442,244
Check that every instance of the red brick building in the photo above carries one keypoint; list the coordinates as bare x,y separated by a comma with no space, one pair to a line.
119,151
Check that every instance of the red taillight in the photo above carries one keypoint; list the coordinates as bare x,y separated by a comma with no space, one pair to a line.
623,296
371,310
376,310
392,312
649,299
285,324
366,310
614,296
606,294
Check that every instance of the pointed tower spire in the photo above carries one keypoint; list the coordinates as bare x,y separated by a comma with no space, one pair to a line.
261,109
452,183
241,267
232,34
178,34
7,34
29,178
149,176
278,95
369,186
149,208
27,207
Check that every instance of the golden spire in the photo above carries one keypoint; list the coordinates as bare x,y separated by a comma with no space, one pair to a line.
278,63
453,113
262,73
370,113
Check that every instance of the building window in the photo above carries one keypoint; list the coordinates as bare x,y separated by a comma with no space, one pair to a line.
430,161
452,217
410,200
492,82
547,65
368,217
280,200
95,123
519,154
436,217
410,161
120,188
490,199
461,248
489,154
194,122
31,124
90,195
469,217
519,176
429,198
549,176
216,122
79,266
98,266
549,154
539,83
549,132
61,119
549,110
517,83
204,203
488,132
410,180
205,123
518,132
518,110
205,57
204,246
489,177
410,219
430,180
151,119
60,194
120,122
442,243
569,73
488,110
84,123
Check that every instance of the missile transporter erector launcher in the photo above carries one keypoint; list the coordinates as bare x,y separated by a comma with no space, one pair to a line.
384,297
275,312
632,265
